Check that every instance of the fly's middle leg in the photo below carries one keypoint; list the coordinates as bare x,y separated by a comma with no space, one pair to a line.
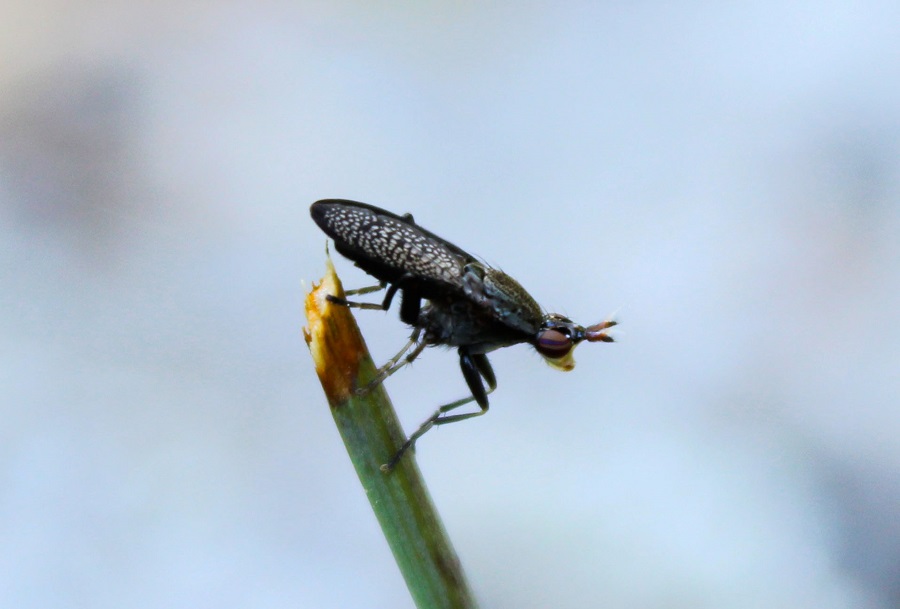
410,351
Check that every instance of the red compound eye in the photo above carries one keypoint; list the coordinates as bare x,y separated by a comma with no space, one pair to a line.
553,343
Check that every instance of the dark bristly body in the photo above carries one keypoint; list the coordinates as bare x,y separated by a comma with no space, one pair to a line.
449,298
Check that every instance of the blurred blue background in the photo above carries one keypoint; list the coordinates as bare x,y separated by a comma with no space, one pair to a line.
725,180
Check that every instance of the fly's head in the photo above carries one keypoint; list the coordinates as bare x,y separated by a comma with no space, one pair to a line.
558,337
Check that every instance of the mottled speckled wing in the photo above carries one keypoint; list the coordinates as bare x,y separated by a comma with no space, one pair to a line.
388,246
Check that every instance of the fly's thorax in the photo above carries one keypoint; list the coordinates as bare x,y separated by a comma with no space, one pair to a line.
503,296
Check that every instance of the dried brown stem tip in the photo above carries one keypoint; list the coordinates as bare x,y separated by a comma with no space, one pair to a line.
333,337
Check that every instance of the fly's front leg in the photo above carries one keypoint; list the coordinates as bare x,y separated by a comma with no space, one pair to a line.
474,367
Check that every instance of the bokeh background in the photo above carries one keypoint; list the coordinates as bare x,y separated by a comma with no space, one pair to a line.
724,179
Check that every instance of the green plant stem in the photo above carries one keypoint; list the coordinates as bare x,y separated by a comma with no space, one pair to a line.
372,434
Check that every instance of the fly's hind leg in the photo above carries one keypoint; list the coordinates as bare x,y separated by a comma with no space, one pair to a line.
384,306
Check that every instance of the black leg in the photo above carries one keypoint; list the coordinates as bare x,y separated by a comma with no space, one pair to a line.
487,372
384,306
410,305
474,367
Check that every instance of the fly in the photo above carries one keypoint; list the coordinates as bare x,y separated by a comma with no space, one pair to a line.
449,298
